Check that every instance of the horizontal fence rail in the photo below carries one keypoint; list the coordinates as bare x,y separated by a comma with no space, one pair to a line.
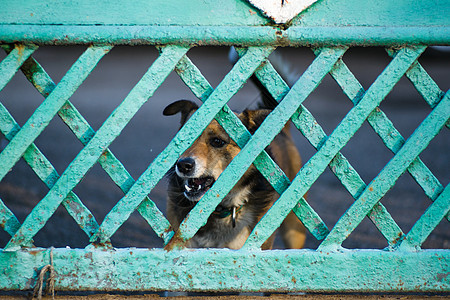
401,267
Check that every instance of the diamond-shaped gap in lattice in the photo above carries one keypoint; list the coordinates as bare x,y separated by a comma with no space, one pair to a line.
98,192
213,62
58,144
406,202
365,236
135,232
329,199
436,61
367,153
366,63
405,107
61,231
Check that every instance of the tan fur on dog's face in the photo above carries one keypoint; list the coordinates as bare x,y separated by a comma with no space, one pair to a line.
212,151
200,165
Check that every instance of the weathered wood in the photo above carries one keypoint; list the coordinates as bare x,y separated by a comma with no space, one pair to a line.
220,269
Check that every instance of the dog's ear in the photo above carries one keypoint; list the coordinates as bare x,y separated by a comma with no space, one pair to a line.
183,106
252,119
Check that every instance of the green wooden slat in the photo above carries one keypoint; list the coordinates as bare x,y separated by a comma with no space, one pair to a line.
417,142
271,126
423,83
45,112
278,88
225,35
191,76
335,142
139,270
182,140
8,220
309,127
93,150
378,120
237,131
45,171
84,132
427,222
11,64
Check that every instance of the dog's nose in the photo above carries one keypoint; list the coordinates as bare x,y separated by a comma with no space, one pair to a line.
186,165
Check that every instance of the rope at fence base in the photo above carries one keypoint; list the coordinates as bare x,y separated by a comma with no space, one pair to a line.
50,286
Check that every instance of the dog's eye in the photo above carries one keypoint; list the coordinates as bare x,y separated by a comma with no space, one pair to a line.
217,142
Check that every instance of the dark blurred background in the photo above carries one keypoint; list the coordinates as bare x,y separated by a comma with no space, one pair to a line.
149,132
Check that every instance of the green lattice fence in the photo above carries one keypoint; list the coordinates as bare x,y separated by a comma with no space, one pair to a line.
330,28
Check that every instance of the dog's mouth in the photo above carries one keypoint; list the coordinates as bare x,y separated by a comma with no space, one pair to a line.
194,188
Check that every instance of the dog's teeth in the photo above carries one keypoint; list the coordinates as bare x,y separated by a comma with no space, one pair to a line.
187,188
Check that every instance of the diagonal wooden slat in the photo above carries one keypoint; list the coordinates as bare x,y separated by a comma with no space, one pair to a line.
340,166
46,111
427,222
335,142
271,126
47,173
416,143
182,140
237,131
110,129
8,220
423,82
390,136
10,129
11,64
113,167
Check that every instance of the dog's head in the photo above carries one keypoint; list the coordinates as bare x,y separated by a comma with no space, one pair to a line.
200,165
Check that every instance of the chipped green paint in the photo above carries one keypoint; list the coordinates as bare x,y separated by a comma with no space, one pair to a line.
350,22
218,269
175,26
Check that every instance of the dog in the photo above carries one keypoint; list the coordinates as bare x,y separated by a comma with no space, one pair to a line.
235,217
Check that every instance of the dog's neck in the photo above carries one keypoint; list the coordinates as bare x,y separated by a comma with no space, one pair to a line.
222,212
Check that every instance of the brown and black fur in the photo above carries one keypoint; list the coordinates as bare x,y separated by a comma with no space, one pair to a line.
252,196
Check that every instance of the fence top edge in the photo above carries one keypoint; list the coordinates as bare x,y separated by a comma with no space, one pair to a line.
226,35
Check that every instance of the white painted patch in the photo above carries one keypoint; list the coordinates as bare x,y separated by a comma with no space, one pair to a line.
282,11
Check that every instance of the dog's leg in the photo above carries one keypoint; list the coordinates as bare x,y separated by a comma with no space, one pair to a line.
293,232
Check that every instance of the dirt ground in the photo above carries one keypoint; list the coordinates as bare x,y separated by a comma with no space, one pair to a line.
149,132
242,297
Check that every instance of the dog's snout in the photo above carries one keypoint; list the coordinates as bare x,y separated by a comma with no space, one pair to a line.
186,165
